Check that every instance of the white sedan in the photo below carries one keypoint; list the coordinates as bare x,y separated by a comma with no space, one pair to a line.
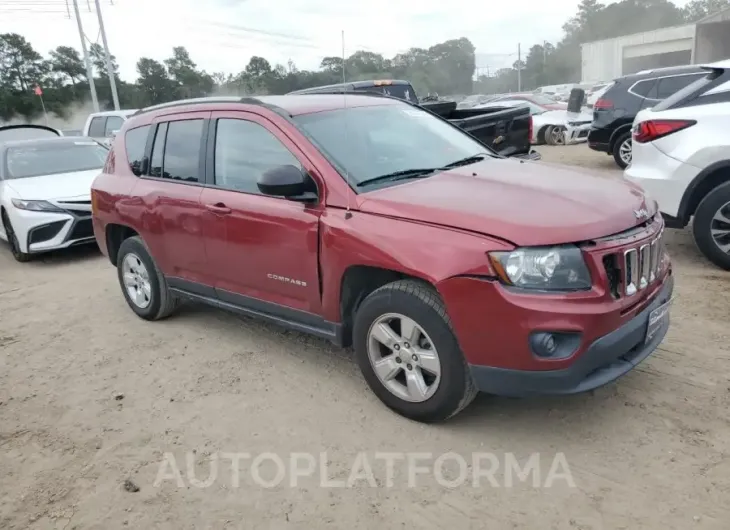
45,191
551,126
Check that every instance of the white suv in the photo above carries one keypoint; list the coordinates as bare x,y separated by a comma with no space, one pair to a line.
681,157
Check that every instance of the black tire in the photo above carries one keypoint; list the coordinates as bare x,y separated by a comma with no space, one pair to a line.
420,302
616,151
162,302
702,225
19,256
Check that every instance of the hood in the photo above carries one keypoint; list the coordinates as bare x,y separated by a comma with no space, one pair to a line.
527,203
75,185
556,106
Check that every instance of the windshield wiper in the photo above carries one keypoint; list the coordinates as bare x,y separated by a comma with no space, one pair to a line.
400,175
465,161
423,172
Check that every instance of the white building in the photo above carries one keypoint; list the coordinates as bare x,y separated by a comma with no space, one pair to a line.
705,41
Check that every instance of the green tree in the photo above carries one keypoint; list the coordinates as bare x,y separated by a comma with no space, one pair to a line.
67,64
191,83
699,9
154,83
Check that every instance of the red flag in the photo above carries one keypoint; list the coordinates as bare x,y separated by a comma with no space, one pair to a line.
38,91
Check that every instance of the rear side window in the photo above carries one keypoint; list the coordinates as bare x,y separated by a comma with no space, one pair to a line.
113,123
97,127
158,150
668,86
688,92
181,158
134,142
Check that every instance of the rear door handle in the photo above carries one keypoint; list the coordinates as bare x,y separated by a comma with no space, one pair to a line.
218,208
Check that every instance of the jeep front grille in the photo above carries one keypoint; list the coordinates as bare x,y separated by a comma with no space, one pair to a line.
636,268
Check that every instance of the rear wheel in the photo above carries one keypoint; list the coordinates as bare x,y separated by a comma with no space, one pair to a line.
711,226
19,255
409,354
622,150
143,284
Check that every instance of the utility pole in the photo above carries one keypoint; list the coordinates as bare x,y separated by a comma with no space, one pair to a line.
519,67
109,69
89,70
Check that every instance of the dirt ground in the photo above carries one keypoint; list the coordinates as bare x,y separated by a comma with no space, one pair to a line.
91,397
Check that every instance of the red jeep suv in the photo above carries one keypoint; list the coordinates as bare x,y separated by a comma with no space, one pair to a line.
371,222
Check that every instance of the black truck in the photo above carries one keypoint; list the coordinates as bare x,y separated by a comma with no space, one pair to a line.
505,130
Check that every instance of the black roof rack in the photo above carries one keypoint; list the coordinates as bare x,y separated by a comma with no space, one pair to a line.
247,100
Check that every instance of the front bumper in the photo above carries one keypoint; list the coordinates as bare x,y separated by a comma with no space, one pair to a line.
45,231
606,359
575,134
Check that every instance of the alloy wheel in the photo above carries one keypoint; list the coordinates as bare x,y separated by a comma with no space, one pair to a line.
625,151
136,281
404,357
720,228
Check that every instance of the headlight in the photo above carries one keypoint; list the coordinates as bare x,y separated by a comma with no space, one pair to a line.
550,269
35,206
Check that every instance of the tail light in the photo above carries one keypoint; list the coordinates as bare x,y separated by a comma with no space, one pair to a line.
648,131
603,103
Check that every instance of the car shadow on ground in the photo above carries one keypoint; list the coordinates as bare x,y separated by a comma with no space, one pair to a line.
485,412
75,254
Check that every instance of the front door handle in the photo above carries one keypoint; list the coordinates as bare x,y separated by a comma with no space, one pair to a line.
218,208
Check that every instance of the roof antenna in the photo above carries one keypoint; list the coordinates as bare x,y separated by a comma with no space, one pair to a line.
348,213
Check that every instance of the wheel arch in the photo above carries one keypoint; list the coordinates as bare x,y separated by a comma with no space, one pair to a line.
115,236
708,179
357,282
617,134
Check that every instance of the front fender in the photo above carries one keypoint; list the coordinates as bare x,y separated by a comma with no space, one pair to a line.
432,253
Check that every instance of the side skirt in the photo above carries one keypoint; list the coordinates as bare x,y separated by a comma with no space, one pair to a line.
287,317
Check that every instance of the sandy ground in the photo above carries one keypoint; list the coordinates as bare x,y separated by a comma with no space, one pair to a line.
91,396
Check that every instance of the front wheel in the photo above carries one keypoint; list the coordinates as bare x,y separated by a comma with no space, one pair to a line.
408,352
623,150
711,226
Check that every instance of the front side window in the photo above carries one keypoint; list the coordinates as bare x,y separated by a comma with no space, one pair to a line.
243,151
367,142
54,158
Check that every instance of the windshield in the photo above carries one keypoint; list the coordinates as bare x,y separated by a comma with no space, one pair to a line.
366,142
53,158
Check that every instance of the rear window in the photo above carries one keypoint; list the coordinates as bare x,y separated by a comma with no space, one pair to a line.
135,142
693,89
53,158
397,91
12,133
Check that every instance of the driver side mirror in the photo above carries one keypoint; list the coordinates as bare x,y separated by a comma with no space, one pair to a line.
289,182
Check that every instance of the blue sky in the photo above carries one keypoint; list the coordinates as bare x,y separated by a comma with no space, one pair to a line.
222,35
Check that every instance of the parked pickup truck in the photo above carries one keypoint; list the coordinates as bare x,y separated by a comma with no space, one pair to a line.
377,224
507,131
